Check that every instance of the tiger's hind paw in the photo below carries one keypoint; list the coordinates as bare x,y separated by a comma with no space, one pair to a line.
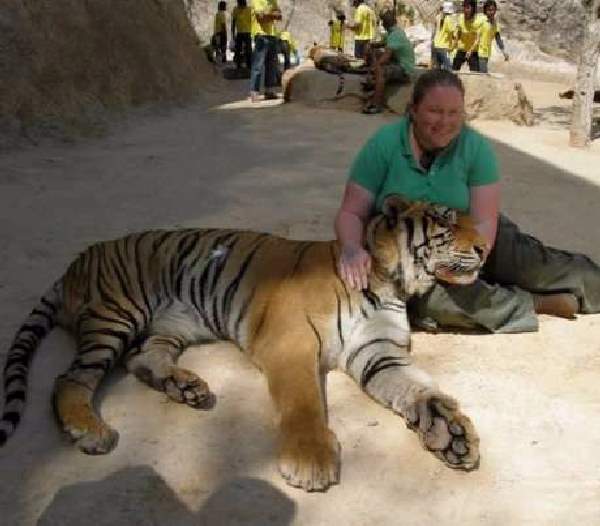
98,442
187,387
311,462
444,430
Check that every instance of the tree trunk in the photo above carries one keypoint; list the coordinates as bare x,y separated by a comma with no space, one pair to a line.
583,98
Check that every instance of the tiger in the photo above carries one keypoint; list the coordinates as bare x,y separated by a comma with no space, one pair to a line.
145,297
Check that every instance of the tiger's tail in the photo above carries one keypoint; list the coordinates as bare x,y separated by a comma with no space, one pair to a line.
38,324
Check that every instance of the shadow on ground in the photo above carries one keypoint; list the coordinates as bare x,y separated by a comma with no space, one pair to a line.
138,495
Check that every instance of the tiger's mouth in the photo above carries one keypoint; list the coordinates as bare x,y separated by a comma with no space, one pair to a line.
456,277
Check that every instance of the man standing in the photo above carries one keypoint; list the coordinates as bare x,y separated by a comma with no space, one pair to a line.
466,32
489,30
395,64
265,13
363,27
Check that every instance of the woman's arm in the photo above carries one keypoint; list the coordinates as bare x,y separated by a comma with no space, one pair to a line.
350,221
484,209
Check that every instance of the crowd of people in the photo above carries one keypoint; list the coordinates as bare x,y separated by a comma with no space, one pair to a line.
466,37
388,54
257,40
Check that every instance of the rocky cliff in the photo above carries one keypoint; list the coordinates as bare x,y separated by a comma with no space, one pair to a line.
61,60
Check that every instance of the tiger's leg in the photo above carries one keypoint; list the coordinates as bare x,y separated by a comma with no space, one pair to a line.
154,362
383,369
309,453
103,332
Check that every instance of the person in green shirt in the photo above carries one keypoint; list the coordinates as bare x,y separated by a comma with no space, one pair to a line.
432,155
395,64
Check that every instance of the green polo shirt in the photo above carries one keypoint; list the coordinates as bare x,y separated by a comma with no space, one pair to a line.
386,165
402,49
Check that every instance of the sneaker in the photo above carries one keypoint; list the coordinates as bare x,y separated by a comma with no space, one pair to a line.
269,95
372,109
254,96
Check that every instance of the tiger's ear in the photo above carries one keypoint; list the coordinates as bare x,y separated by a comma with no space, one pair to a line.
394,205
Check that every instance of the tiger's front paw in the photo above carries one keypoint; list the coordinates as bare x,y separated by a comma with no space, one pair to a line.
187,387
444,430
310,461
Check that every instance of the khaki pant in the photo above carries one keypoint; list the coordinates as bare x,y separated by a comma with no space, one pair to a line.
501,301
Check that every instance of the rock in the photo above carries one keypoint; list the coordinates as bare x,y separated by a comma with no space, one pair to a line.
490,97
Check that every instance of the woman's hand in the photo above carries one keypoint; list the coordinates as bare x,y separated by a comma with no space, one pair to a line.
354,266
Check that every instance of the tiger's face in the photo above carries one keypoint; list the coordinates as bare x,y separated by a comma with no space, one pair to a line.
415,244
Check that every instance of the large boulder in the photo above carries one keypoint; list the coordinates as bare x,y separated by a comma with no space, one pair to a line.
487,96
64,61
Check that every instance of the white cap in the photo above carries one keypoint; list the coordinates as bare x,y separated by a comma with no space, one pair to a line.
448,7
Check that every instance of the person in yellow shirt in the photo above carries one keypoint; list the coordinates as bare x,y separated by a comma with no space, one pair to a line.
443,37
241,33
363,27
465,36
489,30
288,47
336,32
264,15
220,32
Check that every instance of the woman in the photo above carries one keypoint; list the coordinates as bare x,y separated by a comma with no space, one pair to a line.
431,155
467,28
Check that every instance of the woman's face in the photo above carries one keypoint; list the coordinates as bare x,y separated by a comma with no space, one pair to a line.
467,10
438,117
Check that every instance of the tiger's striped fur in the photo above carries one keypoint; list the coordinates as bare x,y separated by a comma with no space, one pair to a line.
147,296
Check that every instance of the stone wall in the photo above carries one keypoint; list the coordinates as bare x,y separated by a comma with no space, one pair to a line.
61,60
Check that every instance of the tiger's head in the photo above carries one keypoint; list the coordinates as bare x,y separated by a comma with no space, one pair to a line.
415,244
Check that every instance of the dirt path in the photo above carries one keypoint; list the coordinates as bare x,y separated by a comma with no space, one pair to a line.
534,397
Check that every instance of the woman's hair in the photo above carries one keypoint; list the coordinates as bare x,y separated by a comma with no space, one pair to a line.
473,4
242,3
222,6
434,78
489,3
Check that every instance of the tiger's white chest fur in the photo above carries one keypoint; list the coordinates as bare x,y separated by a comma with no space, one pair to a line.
374,319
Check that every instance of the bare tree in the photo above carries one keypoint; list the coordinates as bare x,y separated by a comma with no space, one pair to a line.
581,123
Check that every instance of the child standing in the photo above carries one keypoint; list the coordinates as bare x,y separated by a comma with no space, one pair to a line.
220,32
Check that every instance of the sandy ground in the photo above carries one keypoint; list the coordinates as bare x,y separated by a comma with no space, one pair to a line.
533,397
